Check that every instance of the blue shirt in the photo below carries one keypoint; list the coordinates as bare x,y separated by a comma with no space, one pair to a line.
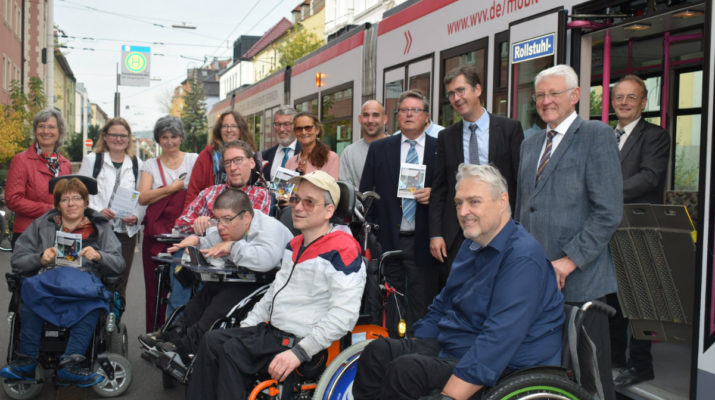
482,138
500,308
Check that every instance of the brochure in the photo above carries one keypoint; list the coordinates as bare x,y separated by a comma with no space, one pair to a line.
68,246
280,185
412,178
125,202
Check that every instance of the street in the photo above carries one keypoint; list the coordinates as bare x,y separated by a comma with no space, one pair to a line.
146,382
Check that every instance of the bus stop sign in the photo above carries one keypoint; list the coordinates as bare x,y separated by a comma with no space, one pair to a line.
135,66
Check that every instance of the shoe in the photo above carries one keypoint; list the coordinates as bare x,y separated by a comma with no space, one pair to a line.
22,368
631,376
151,339
170,353
71,373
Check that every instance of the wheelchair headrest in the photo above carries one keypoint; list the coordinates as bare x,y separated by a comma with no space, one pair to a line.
88,182
346,205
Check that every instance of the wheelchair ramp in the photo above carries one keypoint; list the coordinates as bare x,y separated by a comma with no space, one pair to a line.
654,255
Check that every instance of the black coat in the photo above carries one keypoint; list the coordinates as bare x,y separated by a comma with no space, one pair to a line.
644,163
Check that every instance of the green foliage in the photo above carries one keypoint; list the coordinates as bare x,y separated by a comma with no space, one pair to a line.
193,115
16,118
298,43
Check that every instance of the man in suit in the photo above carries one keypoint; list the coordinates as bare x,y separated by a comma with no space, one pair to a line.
403,222
287,146
372,125
644,162
479,138
570,198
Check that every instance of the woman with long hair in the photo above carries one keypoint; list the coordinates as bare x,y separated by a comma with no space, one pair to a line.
314,154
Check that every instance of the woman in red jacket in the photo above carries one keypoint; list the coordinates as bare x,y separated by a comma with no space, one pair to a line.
208,169
27,188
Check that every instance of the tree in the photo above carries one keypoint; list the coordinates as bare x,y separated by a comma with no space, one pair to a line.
298,43
193,115
13,138
16,118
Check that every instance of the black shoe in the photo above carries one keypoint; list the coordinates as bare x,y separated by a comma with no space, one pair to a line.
171,353
631,376
151,339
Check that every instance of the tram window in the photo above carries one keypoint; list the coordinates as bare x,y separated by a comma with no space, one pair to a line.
392,93
337,117
475,58
524,108
307,105
500,96
687,131
421,82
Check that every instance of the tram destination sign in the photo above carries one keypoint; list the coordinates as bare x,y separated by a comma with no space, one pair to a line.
135,66
530,49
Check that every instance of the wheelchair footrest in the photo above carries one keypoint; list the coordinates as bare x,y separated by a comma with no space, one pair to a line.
106,366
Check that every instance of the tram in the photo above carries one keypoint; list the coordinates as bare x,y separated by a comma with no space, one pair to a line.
668,43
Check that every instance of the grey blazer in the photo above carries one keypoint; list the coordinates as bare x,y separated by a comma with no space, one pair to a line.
577,204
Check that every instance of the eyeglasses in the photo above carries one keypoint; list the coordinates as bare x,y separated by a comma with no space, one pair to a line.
306,129
631,98
226,220
116,136
282,124
308,204
46,126
74,199
457,91
229,126
408,110
539,97
235,161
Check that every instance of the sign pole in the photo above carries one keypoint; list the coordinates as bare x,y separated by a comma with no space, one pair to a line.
116,94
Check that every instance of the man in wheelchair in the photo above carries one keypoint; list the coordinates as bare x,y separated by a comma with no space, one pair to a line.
64,296
499,311
313,301
243,238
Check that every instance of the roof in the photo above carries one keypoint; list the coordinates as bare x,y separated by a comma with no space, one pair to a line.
303,3
269,37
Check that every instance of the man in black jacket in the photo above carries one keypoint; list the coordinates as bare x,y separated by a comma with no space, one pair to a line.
479,138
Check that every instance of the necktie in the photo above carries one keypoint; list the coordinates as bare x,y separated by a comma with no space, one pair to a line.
473,145
410,205
619,134
286,150
547,154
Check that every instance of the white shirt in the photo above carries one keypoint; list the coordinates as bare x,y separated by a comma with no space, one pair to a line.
560,132
627,129
151,167
278,157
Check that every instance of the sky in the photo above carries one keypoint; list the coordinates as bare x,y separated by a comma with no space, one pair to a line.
97,29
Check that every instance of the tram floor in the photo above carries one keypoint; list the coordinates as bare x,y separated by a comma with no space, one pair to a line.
671,364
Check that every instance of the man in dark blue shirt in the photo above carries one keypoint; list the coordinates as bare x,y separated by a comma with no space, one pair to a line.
500,310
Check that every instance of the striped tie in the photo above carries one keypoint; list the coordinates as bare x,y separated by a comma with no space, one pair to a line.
473,145
547,154
619,133
410,205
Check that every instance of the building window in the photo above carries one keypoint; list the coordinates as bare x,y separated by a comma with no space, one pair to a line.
18,21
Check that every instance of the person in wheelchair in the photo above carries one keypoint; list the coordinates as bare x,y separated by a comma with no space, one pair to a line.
242,237
499,311
68,297
313,301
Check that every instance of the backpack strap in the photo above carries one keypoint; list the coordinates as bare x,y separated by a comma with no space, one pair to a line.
97,164
135,169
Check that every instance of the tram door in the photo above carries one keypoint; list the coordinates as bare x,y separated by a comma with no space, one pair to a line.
534,44
415,74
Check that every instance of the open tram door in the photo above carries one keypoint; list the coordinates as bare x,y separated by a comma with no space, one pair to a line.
665,44
535,43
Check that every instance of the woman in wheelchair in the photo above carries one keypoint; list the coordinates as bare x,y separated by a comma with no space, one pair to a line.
64,296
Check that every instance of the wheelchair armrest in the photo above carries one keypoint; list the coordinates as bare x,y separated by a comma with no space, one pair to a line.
14,281
111,282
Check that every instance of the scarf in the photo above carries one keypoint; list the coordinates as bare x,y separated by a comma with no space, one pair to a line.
52,160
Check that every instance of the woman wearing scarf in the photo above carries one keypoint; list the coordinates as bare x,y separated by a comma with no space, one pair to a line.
208,170
30,171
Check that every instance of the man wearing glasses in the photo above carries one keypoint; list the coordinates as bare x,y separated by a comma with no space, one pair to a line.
314,300
570,198
241,236
404,221
277,156
238,162
479,138
644,151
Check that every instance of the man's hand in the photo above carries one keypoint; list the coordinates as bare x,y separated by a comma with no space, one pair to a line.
220,250
201,224
192,240
459,389
563,268
91,254
109,214
438,248
422,195
282,365
48,256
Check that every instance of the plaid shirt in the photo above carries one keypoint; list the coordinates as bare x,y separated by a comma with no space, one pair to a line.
203,204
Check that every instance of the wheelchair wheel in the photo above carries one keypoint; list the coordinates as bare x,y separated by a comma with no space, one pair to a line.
25,390
122,377
337,380
538,386
117,341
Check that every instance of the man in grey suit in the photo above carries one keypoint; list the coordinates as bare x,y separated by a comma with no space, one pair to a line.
570,198
644,162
